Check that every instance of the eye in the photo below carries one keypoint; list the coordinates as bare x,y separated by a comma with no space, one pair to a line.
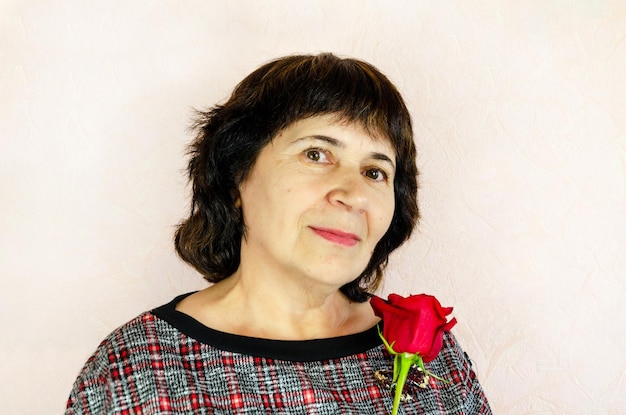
376,175
316,155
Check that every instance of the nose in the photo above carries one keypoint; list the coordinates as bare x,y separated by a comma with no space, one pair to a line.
349,190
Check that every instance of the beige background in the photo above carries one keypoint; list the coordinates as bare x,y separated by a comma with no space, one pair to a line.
520,118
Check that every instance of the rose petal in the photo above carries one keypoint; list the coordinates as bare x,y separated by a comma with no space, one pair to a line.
413,324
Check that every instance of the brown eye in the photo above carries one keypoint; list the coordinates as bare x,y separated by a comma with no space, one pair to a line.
375,174
317,155
313,155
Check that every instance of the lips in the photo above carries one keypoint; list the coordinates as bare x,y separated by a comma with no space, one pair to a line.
337,236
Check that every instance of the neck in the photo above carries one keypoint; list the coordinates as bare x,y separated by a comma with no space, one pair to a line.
284,310
256,305
275,303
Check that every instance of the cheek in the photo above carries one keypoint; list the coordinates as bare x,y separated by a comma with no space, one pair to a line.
385,215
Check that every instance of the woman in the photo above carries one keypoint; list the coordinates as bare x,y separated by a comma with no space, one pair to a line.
304,182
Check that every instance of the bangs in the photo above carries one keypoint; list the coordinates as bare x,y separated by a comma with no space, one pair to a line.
293,88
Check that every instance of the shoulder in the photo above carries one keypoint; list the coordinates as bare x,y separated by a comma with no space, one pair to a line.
135,337
132,337
150,331
452,360
120,356
454,364
452,348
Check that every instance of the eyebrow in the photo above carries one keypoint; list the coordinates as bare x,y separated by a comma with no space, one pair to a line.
383,157
332,141
337,143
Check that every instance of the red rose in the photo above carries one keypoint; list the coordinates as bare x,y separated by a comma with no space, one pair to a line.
414,324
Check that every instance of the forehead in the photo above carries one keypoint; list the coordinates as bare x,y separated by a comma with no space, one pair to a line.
336,127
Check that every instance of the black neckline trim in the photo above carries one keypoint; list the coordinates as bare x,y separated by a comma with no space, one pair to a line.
292,350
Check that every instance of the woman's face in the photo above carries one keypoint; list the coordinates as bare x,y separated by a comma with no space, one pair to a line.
317,201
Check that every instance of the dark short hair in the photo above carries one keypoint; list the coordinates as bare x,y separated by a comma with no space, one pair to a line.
231,135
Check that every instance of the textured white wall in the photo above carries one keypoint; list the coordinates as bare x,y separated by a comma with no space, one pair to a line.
519,112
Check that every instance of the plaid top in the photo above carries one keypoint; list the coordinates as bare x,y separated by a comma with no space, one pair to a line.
165,362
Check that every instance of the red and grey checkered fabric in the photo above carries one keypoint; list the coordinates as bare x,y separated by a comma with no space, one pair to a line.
165,362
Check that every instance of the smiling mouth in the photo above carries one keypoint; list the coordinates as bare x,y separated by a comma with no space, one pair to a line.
337,236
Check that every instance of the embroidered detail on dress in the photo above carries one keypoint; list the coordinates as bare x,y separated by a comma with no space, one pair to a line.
415,381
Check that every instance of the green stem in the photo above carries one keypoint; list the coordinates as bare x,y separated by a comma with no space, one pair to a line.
404,361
